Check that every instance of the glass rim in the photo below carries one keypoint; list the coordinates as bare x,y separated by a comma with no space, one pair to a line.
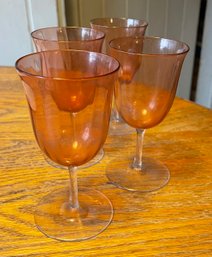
155,38
33,33
145,23
22,71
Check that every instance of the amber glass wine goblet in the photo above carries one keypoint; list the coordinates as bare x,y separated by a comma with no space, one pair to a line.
69,93
148,77
114,28
52,38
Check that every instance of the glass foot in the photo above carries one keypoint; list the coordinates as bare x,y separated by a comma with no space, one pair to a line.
119,127
57,220
153,175
99,156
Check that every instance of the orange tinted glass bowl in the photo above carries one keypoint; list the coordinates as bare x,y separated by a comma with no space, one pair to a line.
148,77
115,28
81,38
69,95
118,27
52,38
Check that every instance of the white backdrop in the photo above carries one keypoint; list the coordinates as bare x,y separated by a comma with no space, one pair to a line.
18,18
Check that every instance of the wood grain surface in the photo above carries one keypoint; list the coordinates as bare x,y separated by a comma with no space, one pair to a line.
173,221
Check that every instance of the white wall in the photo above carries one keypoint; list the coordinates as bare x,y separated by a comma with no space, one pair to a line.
18,18
204,83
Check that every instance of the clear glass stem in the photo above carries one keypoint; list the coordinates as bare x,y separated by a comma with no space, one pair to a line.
137,161
116,114
73,193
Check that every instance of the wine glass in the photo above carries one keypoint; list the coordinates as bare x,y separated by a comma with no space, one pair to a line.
69,93
148,77
114,28
52,38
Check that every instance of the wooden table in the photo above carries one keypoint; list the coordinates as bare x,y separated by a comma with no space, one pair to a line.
174,221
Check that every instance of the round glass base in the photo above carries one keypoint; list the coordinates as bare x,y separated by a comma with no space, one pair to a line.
119,127
99,156
57,220
153,175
